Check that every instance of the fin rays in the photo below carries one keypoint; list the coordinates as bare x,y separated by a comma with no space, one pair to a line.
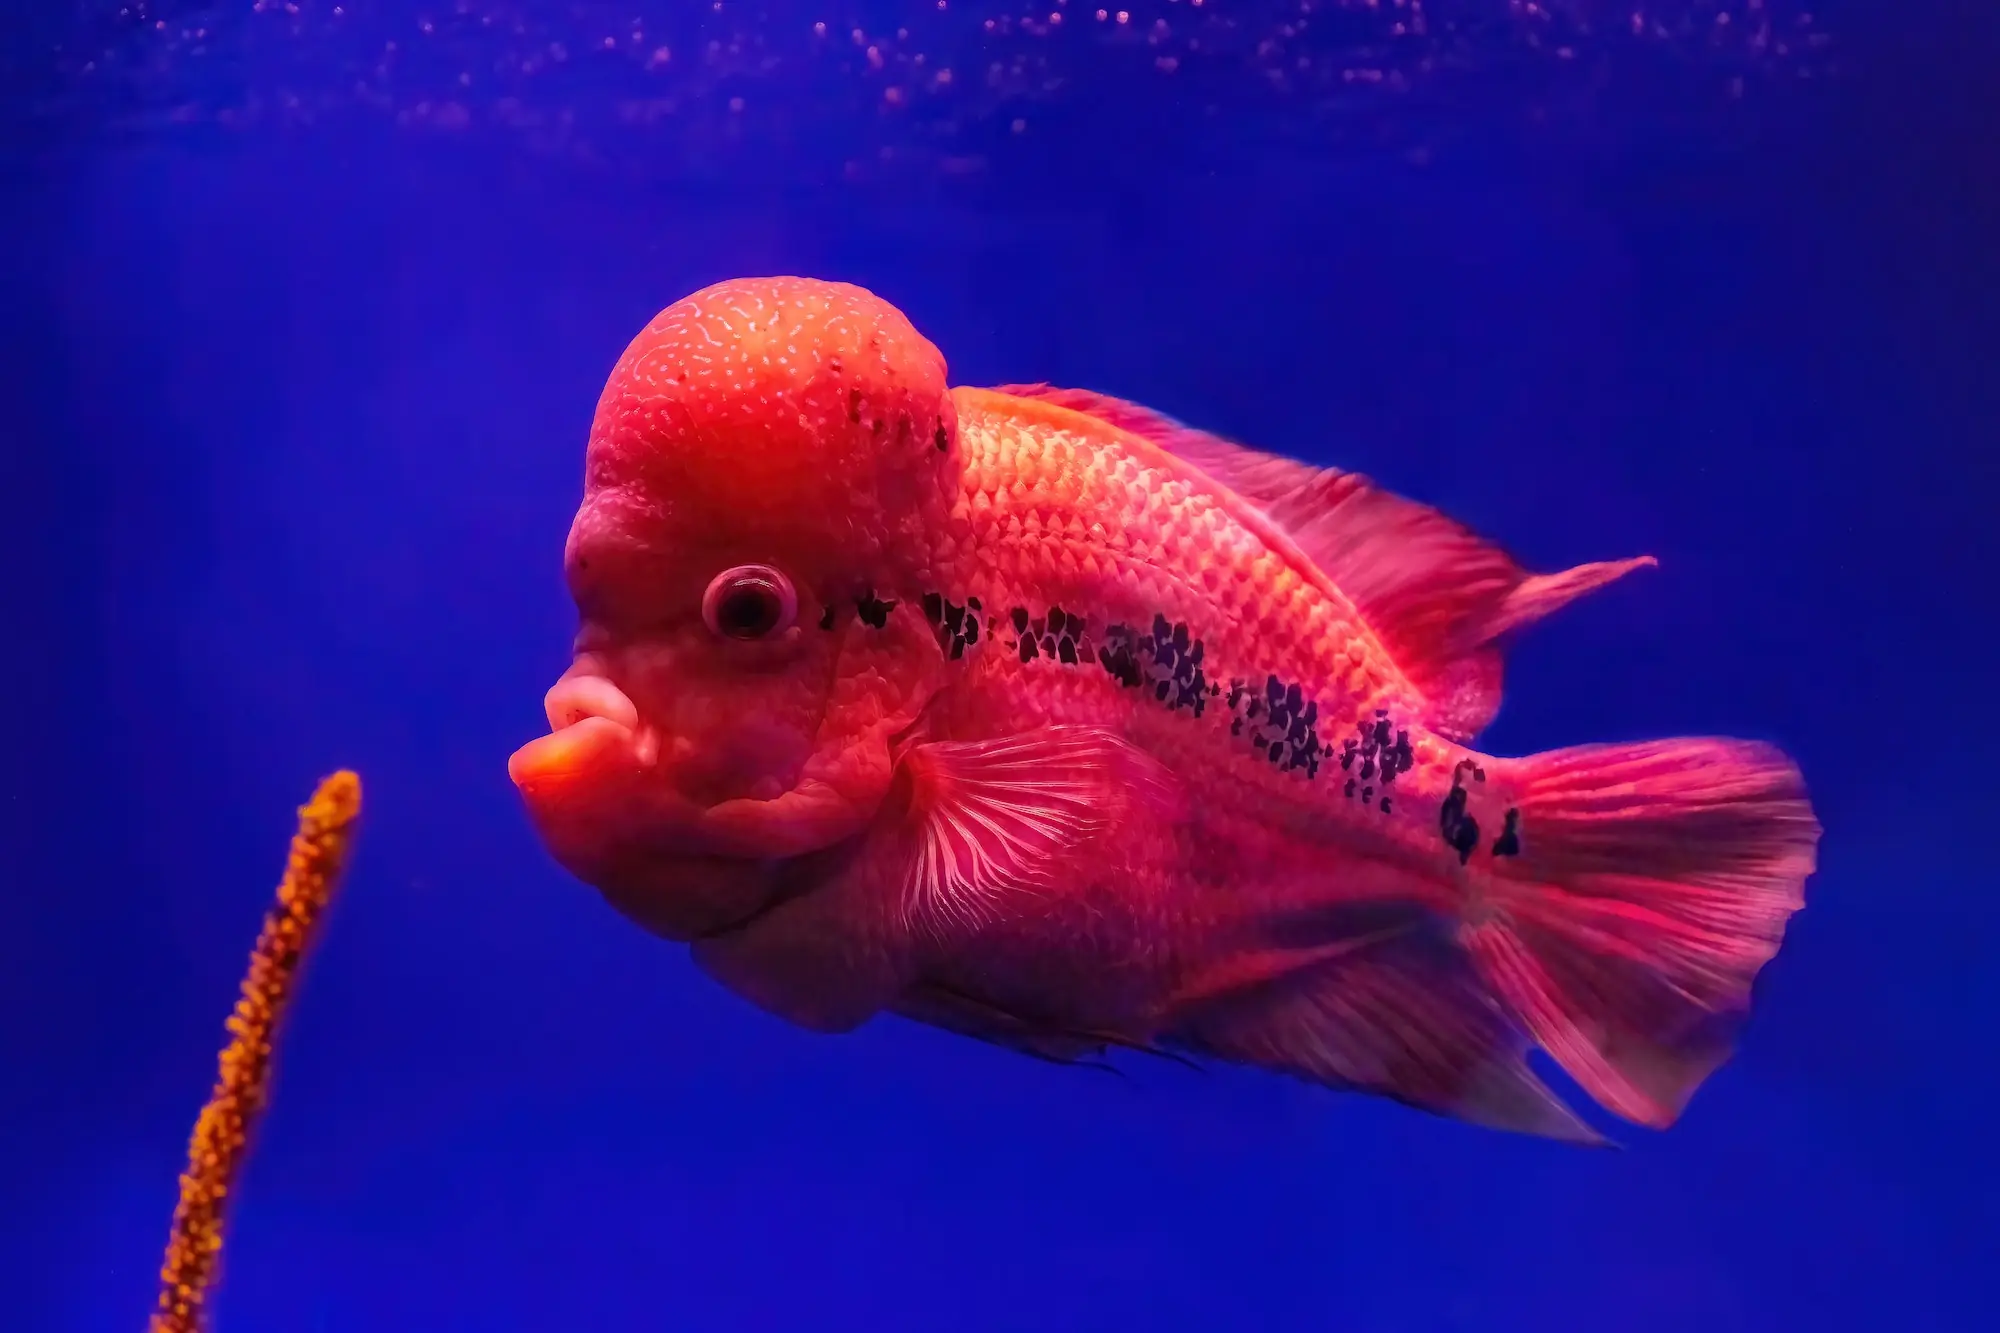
994,817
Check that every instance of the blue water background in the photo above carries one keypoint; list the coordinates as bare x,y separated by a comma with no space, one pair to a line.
293,423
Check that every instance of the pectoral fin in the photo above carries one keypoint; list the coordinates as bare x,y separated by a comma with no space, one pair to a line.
975,832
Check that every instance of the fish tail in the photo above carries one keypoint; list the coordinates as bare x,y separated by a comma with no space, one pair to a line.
1646,887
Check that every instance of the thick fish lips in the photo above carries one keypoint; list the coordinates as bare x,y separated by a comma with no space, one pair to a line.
604,770
590,785
593,742
603,765
607,809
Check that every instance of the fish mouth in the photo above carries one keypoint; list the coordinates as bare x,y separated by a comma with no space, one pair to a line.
600,798
582,695
592,724
599,763
603,777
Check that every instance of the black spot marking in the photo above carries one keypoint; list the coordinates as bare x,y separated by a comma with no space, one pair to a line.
955,627
1455,823
1383,752
1280,719
942,438
1509,841
873,611
1117,658
1168,659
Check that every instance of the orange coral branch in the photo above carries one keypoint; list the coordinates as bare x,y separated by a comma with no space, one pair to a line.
222,1132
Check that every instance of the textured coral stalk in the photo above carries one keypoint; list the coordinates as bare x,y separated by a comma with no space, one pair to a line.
222,1133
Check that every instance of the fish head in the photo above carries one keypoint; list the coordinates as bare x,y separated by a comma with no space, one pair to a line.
768,471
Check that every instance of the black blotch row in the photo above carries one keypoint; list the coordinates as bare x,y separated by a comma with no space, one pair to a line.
1283,725
1060,635
955,626
1166,663
1377,753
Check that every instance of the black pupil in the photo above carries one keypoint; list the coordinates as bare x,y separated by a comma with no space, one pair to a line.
748,611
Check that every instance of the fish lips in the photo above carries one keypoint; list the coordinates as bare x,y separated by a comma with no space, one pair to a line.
608,811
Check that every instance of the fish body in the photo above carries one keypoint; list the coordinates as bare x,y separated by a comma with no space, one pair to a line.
1036,716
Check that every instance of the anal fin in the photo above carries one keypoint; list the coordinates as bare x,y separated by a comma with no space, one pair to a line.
1400,1016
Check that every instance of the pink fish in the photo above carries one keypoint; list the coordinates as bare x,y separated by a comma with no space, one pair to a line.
1041,718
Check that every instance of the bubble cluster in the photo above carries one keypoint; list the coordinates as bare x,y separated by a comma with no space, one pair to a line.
948,82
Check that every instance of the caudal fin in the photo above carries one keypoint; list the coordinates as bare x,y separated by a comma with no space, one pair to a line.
1652,882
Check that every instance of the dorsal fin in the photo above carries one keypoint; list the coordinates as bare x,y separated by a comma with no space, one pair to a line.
1261,478
1439,595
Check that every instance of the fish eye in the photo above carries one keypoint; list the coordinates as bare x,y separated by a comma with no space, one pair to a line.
749,602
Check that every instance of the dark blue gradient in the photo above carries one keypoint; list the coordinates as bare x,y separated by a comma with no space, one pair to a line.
293,433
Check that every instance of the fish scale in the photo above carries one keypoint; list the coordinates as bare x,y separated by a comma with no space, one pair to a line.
1176,551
